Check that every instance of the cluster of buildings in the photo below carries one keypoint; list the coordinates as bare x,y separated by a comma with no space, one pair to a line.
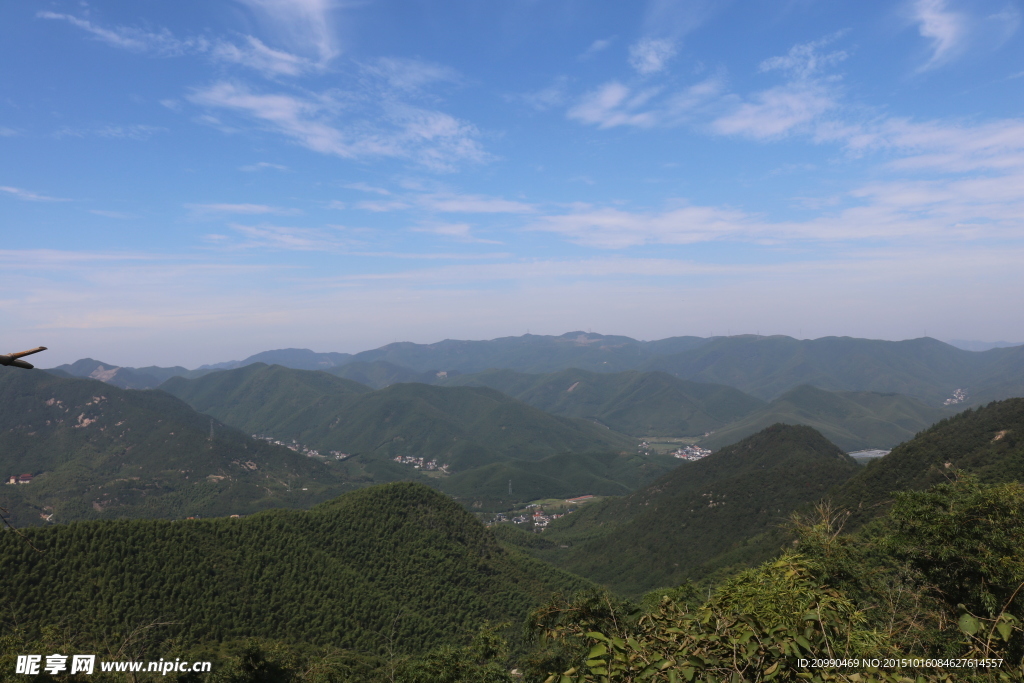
539,517
299,448
691,453
959,396
23,479
421,464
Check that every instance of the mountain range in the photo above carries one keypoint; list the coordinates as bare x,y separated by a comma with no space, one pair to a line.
95,451
764,367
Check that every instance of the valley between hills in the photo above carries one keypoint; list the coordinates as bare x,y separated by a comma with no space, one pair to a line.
327,510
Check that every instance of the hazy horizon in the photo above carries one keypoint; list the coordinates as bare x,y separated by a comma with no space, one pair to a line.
967,345
190,182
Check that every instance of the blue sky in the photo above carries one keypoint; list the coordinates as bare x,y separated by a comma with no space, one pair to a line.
189,182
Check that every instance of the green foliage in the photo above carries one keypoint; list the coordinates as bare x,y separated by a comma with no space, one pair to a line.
851,420
637,403
730,504
924,368
462,426
985,441
399,559
99,452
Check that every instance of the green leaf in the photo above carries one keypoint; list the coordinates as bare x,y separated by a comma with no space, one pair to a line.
969,624
597,651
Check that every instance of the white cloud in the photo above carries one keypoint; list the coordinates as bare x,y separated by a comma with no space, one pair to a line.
120,215
244,209
459,203
261,166
597,46
462,232
945,29
303,24
775,112
136,40
265,236
651,55
613,104
7,132
366,187
409,75
29,196
254,54
552,96
805,60
431,138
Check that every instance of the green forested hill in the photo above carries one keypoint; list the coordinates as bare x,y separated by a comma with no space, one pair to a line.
530,353
851,420
396,560
97,451
637,403
987,442
267,398
701,512
462,426
380,373
924,368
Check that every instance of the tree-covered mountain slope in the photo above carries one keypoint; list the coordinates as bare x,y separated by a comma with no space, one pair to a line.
461,426
530,353
396,566
380,373
924,368
987,442
637,403
851,420
97,452
261,398
690,520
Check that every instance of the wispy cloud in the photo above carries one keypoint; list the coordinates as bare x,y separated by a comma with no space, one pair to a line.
303,24
944,29
461,232
266,236
462,203
599,45
651,55
240,209
431,138
7,132
138,131
133,39
120,215
554,95
262,166
29,196
254,54
366,187
409,75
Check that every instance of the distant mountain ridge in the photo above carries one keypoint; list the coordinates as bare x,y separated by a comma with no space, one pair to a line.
725,508
764,367
100,452
853,420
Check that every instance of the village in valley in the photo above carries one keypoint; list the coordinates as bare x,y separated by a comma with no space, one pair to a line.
537,515
294,445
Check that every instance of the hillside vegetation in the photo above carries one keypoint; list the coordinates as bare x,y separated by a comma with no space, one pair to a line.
636,403
851,420
397,566
462,426
723,509
987,442
925,368
99,452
